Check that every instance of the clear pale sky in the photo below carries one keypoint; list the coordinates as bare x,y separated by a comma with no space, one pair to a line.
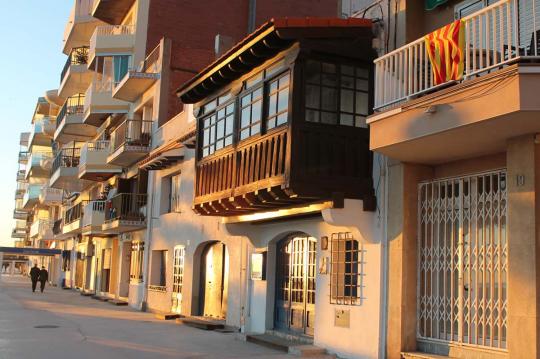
31,60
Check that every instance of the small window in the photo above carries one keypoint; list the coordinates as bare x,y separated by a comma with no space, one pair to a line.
137,255
250,113
158,272
175,194
178,269
336,94
218,129
278,101
345,270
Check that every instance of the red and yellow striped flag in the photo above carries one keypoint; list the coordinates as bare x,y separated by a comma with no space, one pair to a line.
445,48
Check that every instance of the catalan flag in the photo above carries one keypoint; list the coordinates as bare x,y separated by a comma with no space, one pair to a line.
445,48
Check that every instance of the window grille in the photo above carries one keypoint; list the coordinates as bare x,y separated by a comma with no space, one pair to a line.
463,260
137,255
178,269
345,270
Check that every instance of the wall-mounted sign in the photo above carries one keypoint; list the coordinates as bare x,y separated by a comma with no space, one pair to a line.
258,266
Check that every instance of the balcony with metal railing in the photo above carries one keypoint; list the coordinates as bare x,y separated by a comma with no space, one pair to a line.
139,79
65,170
21,175
75,76
98,102
109,40
72,218
23,141
51,196
425,115
41,229
80,25
23,157
20,189
31,196
93,217
42,131
18,214
69,122
39,165
130,142
93,165
125,212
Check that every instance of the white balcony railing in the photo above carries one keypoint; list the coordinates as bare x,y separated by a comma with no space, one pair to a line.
111,30
495,36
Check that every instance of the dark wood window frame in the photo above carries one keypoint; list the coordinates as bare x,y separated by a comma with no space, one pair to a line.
332,85
222,109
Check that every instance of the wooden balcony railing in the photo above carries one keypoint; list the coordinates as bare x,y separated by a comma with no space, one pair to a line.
263,159
309,163
126,206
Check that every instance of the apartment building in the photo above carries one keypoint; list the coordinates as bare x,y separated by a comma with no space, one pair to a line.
462,149
36,203
125,59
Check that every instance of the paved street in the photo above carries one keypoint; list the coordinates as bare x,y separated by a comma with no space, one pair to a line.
85,328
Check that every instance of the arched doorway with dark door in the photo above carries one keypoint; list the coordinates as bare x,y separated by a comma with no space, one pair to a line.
294,311
214,281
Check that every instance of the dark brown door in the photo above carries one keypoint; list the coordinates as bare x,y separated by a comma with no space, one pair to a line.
295,283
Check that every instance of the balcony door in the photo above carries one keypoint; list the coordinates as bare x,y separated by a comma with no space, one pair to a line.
178,278
463,261
295,284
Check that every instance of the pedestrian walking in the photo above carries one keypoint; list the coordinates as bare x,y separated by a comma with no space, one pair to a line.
43,277
34,276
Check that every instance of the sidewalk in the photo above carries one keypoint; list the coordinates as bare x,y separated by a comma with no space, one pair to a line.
75,326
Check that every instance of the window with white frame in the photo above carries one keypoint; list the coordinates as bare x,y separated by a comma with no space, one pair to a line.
175,182
217,124
136,267
345,269
178,269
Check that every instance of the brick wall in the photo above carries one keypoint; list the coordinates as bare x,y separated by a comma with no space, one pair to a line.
193,36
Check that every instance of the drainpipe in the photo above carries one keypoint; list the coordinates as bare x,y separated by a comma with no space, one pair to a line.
384,261
252,14
148,239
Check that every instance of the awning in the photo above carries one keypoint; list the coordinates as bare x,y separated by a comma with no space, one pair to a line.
432,4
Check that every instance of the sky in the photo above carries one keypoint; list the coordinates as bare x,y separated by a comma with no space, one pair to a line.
31,33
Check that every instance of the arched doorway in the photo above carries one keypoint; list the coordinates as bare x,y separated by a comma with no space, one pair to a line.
214,280
295,284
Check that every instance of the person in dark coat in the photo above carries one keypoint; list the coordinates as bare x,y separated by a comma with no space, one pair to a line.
43,277
34,276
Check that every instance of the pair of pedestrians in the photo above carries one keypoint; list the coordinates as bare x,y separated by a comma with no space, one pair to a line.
38,275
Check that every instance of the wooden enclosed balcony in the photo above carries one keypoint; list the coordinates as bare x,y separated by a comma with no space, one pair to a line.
281,132
421,120
282,170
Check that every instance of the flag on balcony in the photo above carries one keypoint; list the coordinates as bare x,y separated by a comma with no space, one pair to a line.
445,48
432,4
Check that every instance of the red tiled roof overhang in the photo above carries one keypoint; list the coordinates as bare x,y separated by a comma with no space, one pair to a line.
264,43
